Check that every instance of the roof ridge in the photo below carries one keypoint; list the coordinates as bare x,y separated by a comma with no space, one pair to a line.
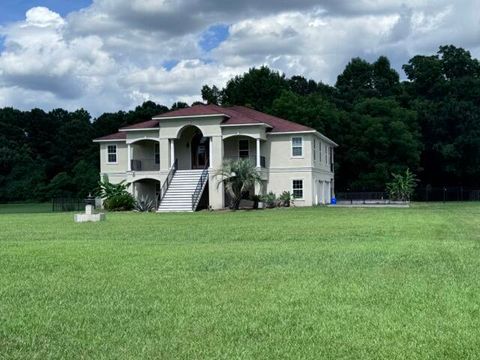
273,117
139,123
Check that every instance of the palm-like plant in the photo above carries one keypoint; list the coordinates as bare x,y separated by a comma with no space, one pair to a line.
107,190
238,176
402,186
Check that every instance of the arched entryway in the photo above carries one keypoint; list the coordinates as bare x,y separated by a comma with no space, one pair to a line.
192,149
146,189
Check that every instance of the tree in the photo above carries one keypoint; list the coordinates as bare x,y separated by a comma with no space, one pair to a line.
179,105
311,110
380,138
238,177
257,88
360,79
212,95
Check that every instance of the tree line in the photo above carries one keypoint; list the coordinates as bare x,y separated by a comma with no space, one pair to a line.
428,123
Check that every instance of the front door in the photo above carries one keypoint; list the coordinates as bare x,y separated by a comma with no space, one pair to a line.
200,150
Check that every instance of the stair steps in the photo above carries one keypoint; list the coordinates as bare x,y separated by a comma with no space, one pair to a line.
179,194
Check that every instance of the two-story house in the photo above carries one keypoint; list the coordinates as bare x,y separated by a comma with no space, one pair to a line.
174,156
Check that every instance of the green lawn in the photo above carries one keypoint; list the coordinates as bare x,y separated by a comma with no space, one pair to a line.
25,208
274,284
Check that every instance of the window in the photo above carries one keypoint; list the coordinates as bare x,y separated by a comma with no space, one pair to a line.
111,154
243,149
297,147
326,154
297,189
157,153
314,149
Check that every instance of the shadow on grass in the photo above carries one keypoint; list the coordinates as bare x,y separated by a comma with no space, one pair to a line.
25,208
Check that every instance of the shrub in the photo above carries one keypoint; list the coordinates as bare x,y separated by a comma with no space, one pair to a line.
120,202
269,199
106,189
144,204
402,186
285,199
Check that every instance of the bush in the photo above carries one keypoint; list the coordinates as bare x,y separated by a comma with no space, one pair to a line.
402,186
270,200
144,204
285,199
120,202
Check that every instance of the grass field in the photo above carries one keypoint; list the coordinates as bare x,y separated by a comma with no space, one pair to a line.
274,284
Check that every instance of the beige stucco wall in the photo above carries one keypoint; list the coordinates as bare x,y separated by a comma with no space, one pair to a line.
122,158
171,128
133,136
255,132
279,151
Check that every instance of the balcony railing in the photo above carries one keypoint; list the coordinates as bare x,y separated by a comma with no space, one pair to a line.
145,164
252,159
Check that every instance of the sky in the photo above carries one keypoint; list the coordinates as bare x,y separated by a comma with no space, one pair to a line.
110,55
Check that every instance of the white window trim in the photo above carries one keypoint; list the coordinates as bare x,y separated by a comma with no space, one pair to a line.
291,147
248,142
116,155
303,188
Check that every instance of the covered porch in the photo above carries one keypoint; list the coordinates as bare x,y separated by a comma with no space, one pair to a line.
237,147
143,155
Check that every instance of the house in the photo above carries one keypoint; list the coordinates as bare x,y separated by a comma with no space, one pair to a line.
174,156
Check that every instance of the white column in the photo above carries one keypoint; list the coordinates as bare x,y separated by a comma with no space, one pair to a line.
210,152
323,192
172,152
258,153
129,157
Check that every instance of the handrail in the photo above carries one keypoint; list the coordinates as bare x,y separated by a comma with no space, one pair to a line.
198,190
168,180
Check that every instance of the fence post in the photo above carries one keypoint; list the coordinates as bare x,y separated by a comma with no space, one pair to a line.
444,194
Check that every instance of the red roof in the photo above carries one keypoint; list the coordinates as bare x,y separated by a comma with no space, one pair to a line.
149,124
234,115
117,136
195,110
277,124
237,115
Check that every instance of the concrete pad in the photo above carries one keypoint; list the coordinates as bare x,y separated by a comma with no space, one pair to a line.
81,218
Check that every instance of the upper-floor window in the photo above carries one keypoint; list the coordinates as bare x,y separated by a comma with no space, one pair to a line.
314,149
326,154
157,153
297,189
111,154
243,149
297,146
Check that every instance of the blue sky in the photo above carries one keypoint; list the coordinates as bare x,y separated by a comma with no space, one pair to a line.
14,10
214,36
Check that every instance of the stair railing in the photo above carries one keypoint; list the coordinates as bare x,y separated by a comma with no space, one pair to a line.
168,180
200,185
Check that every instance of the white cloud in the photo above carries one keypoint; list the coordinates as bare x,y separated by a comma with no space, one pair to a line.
109,56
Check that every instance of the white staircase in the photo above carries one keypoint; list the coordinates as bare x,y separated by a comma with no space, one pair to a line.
179,193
